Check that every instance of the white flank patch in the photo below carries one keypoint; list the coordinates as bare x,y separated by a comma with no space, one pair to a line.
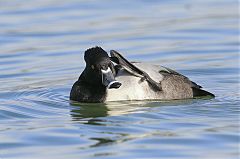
133,88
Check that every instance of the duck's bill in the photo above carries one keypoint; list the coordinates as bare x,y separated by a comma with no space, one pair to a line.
108,79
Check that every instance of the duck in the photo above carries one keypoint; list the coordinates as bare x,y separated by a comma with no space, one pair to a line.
113,78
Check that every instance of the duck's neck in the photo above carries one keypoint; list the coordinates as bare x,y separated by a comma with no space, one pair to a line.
95,92
98,94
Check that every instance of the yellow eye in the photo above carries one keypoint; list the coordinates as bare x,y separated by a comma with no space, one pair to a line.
92,66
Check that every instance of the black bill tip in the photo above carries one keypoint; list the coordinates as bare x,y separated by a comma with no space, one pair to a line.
114,84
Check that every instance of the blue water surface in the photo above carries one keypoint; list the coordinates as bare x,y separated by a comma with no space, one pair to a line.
41,55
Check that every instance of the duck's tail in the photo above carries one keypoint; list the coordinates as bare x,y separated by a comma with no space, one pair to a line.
197,92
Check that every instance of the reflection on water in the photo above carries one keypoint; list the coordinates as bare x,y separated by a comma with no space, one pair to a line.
89,111
92,110
41,55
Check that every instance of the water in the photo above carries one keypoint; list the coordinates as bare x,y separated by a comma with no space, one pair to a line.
41,55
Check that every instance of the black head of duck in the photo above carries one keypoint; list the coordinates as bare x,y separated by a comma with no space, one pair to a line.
98,75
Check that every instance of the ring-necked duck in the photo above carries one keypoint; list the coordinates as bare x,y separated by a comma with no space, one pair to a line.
115,78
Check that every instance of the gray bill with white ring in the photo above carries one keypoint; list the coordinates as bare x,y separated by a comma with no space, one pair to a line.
108,79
